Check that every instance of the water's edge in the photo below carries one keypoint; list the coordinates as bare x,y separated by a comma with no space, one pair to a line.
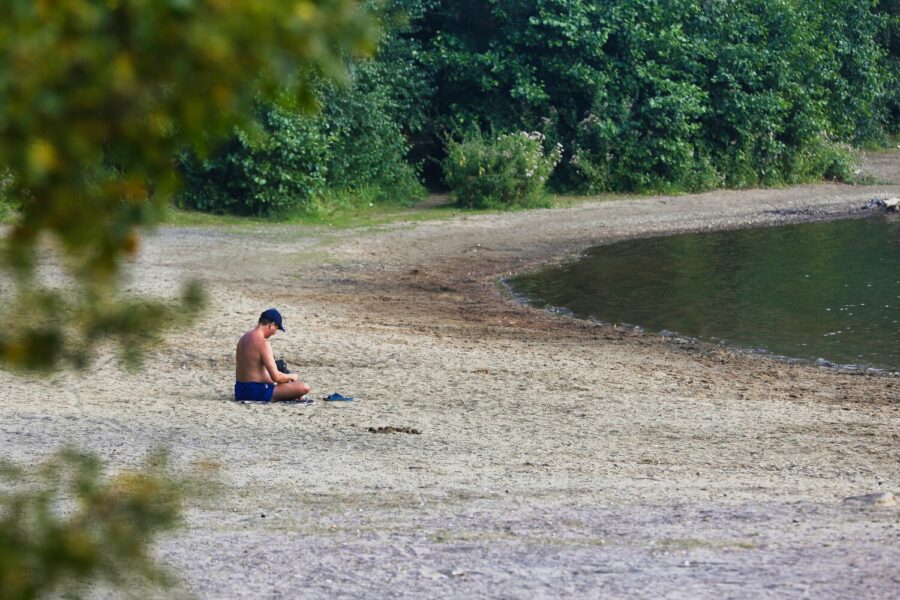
508,290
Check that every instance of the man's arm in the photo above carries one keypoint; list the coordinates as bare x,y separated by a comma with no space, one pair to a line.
269,363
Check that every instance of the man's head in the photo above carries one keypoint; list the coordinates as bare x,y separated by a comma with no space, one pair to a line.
271,321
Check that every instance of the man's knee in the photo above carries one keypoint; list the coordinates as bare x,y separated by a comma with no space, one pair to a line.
290,391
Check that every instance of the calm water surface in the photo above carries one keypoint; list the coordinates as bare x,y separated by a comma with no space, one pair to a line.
819,290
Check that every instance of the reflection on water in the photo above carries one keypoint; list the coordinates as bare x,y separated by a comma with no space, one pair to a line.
828,290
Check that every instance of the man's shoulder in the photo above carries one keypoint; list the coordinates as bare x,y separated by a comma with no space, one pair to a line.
250,340
256,340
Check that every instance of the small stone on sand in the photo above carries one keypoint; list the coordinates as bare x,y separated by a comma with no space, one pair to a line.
877,499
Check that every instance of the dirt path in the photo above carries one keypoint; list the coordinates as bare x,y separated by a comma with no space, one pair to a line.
556,458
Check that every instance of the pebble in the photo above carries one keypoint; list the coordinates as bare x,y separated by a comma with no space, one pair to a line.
876,499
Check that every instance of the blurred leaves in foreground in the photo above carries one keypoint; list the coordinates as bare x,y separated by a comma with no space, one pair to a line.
96,98
64,525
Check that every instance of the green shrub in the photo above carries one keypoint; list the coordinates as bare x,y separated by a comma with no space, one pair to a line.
354,143
281,170
504,171
666,94
889,39
367,148
832,161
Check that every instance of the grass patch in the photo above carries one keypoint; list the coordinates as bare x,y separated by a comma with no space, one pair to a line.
348,216
570,201
688,544
889,142
344,212
446,536
192,218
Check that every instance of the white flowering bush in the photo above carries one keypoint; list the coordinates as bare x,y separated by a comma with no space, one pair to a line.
504,171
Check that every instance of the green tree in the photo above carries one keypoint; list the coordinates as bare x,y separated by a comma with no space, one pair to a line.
889,38
95,100
277,169
96,97
355,144
652,94
104,533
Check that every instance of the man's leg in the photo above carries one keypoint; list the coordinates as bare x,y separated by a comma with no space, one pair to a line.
289,391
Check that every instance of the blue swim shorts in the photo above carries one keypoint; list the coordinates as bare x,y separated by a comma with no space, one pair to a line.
253,390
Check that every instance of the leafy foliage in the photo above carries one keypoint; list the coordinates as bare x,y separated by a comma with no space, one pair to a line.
642,94
73,525
499,172
663,94
889,39
368,146
103,96
354,141
280,170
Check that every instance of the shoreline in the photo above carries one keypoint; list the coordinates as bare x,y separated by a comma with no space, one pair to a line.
555,457
821,362
523,300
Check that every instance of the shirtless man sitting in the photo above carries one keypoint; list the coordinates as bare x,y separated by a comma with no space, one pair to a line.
256,376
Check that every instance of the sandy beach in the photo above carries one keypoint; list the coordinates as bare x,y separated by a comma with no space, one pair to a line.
556,458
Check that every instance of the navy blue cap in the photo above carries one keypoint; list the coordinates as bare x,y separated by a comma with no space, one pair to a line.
274,316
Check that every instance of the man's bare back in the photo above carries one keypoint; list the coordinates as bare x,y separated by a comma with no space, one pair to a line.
255,373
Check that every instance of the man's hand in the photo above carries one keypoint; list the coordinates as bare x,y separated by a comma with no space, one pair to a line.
280,377
285,377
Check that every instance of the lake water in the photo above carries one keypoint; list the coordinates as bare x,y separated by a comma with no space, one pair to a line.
819,290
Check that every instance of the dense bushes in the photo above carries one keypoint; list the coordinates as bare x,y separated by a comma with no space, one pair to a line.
889,39
640,95
656,94
280,169
499,172
367,146
353,143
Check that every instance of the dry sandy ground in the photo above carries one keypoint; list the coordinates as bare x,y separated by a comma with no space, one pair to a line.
556,458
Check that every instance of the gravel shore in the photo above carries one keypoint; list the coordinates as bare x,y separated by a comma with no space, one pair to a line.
556,458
